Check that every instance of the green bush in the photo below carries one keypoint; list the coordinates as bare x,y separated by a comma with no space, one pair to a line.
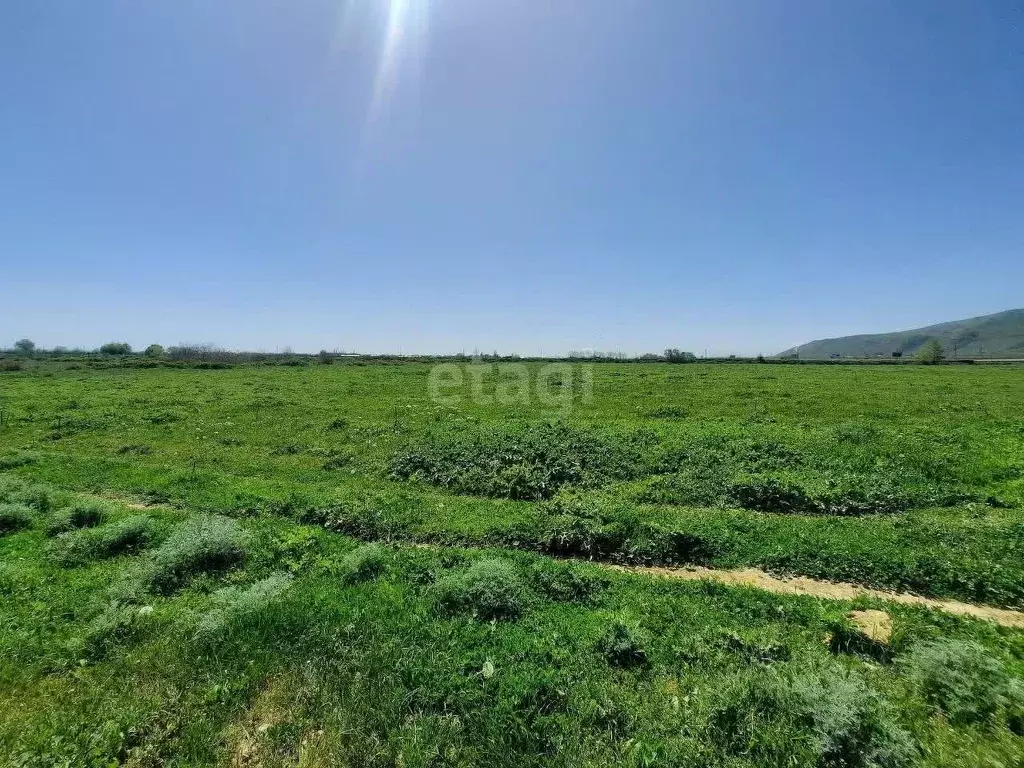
32,495
82,514
233,604
132,534
116,348
825,718
531,463
767,494
15,460
116,625
14,518
622,645
364,563
489,589
1015,706
564,582
199,545
961,679
850,724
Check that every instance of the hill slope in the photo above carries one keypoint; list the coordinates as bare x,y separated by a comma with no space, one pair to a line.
998,335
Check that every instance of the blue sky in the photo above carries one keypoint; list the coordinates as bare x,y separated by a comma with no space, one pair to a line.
531,177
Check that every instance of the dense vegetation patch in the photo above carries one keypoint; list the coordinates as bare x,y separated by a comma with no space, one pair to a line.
82,514
14,517
489,589
205,544
529,463
964,681
126,536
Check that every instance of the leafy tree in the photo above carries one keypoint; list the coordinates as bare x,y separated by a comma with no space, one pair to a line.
154,350
675,356
931,352
116,348
25,345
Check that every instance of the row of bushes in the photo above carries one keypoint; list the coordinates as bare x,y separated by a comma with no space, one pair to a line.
536,461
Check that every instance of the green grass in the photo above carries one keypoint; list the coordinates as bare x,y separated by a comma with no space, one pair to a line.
466,657
673,463
270,606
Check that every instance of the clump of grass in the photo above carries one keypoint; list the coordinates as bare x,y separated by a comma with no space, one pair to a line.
564,582
9,579
850,724
623,645
199,545
117,624
233,604
82,514
364,563
489,589
15,460
14,518
767,494
16,491
132,534
961,679
136,449
337,461
825,718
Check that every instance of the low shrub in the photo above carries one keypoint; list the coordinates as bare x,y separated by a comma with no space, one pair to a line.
564,582
364,563
685,488
337,461
233,604
767,494
850,724
825,718
961,679
14,518
33,495
489,589
531,463
82,514
622,645
132,534
135,449
117,624
199,545
15,460
616,531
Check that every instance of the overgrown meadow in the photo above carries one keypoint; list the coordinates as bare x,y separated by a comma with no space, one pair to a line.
322,565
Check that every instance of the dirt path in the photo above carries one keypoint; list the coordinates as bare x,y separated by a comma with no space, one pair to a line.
801,585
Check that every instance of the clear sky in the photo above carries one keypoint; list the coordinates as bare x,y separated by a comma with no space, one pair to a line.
520,175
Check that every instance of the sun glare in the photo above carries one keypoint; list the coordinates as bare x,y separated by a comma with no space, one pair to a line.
404,24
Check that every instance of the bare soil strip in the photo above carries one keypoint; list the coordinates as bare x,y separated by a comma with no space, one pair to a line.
830,590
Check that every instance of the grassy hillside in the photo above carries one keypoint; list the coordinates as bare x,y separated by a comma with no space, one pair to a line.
998,335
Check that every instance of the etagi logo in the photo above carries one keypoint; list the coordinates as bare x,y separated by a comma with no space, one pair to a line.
557,386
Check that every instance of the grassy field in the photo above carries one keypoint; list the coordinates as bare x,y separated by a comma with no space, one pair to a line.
269,607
